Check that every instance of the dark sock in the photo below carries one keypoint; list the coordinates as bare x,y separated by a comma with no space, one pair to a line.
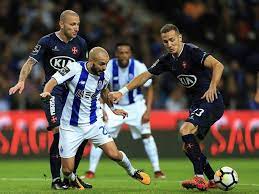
209,172
55,161
193,150
79,154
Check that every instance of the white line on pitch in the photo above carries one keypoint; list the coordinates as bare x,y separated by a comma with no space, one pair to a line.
113,180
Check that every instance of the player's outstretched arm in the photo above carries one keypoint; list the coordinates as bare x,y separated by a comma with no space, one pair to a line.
106,99
136,82
25,71
217,70
48,88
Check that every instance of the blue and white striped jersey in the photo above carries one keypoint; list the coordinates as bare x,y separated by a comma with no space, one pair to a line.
119,77
82,105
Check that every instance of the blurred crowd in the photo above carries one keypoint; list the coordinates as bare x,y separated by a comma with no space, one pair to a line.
229,29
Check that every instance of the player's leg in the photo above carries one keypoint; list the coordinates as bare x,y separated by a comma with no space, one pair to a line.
100,137
151,149
53,109
110,149
69,142
193,151
113,126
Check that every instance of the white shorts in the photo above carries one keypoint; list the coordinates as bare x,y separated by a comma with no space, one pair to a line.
135,112
70,137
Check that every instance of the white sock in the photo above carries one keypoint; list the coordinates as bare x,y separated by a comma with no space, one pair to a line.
71,176
94,159
151,150
126,164
199,175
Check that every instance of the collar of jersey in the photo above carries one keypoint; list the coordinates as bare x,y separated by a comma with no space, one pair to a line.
179,53
61,39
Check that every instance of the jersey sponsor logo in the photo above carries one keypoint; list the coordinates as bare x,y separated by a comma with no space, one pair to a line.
64,71
60,61
187,80
84,94
36,49
74,50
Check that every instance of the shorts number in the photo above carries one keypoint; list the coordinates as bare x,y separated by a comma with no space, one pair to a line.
198,112
105,132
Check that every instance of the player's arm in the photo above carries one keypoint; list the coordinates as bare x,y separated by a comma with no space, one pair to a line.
257,90
48,88
25,71
136,82
106,99
60,77
217,70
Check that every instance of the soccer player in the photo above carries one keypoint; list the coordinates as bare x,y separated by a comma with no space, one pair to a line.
200,73
82,116
56,50
123,69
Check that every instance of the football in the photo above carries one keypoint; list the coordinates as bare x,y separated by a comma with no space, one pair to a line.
226,178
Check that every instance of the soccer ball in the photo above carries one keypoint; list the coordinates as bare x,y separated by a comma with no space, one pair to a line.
226,178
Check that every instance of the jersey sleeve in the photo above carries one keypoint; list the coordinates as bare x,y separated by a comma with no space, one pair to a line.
84,53
39,50
199,56
159,66
67,72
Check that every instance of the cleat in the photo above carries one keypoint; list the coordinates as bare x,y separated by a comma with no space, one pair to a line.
142,177
159,175
212,184
85,185
76,184
66,182
58,185
197,182
89,174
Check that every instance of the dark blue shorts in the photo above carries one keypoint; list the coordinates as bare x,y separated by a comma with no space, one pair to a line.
54,106
204,114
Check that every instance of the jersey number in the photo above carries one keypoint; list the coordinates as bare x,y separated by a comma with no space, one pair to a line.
105,132
198,112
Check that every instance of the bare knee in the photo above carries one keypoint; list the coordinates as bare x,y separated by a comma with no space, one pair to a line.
114,155
188,128
67,165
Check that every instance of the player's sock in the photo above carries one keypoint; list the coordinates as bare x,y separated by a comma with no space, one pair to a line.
71,176
126,164
79,155
55,161
151,150
193,150
208,171
94,159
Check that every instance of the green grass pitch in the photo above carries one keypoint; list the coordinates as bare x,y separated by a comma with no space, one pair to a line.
27,176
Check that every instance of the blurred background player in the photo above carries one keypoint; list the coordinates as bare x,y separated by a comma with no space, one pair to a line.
82,115
122,70
200,73
55,51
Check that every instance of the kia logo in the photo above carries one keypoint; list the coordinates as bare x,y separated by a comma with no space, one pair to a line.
60,61
187,80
